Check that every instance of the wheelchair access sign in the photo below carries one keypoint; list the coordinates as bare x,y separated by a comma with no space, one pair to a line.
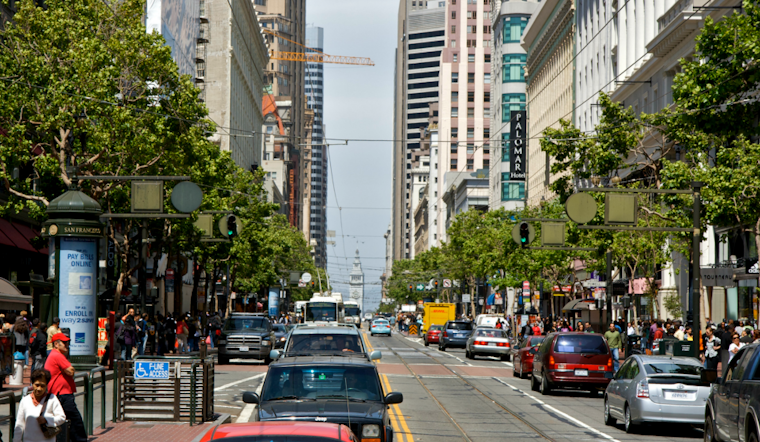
151,370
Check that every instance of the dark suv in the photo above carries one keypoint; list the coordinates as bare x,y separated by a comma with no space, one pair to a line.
455,334
575,360
246,335
343,390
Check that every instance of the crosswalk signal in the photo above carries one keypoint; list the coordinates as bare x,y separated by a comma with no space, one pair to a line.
231,226
411,287
524,234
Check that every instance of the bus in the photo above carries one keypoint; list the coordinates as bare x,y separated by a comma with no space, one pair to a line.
353,314
324,310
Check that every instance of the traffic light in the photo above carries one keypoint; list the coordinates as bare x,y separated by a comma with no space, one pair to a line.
232,229
524,234
435,284
411,287
312,284
690,318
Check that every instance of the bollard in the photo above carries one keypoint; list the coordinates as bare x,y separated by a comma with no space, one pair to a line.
203,349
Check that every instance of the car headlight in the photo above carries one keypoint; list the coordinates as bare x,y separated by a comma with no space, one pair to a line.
282,339
371,431
265,342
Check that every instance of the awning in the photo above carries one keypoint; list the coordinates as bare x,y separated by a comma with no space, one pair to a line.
577,305
11,297
29,234
18,237
491,299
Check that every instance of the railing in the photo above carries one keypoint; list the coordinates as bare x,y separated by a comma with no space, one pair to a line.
9,397
90,420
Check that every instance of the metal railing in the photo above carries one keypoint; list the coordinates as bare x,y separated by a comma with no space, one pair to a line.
9,397
90,422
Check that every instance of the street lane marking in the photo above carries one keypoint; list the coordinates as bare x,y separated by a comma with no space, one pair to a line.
245,414
400,416
561,413
232,384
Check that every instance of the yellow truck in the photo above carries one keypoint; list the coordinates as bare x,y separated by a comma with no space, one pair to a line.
437,313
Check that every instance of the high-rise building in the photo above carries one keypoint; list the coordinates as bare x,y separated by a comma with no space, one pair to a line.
508,92
178,21
314,203
420,38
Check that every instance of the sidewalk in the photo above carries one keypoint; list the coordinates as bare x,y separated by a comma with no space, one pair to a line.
130,431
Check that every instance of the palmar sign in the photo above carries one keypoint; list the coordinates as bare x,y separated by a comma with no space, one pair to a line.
517,146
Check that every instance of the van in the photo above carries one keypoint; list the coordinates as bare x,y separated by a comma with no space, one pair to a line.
487,320
438,313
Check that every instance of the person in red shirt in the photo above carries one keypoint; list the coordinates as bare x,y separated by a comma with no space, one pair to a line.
62,385
660,332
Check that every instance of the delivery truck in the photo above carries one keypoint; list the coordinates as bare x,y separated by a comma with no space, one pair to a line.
437,313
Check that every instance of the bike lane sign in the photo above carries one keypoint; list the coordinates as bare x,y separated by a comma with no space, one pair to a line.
151,370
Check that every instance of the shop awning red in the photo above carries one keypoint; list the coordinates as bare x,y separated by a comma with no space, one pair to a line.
29,234
18,239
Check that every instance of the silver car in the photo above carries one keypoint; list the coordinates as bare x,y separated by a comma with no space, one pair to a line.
488,342
656,389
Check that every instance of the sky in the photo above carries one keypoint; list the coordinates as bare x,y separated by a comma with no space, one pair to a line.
358,104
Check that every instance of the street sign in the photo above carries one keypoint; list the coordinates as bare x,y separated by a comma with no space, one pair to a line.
151,370
446,283
306,277
420,287
465,297
301,283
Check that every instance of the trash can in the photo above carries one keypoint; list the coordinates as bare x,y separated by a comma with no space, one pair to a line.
633,345
17,378
683,348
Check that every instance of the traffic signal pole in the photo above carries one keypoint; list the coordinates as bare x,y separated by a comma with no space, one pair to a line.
696,290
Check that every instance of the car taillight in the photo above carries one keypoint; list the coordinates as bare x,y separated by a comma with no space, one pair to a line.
642,389
481,343
445,335
609,364
374,326
551,361
502,344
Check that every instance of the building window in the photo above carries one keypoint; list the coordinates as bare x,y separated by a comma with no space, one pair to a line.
513,28
511,191
453,164
454,58
470,164
487,58
486,149
454,112
470,112
455,77
472,15
470,58
454,96
472,29
454,14
509,103
486,134
454,132
453,43
453,29
513,68
470,149
505,147
454,148
470,97
471,43
486,97
471,77
470,132
487,78
486,29
486,163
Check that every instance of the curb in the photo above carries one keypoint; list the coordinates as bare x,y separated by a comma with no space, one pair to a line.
223,418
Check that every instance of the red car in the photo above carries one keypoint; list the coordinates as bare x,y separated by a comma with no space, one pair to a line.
572,360
522,359
433,335
281,432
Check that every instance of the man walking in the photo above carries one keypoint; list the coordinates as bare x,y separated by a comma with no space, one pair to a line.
613,340
52,331
62,385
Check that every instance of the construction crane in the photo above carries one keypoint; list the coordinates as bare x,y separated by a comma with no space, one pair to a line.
314,57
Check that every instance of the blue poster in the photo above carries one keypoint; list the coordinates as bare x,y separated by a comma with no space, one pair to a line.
76,293
274,301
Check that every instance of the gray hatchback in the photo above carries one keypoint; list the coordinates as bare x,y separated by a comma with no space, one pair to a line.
656,389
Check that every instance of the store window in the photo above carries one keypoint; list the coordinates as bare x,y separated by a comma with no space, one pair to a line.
513,68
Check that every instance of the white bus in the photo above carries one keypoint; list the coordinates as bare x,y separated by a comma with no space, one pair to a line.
353,314
324,309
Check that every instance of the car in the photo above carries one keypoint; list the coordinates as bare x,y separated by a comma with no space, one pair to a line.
246,335
433,335
380,327
342,390
455,334
487,320
656,389
336,339
522,359
281,334
368,316
733,406
488,342
572,360
280,431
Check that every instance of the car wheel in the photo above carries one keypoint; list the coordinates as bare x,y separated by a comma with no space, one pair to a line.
533,383
224,360
427,344
545,387
608,419
442,347
629,425
710,429
372,334
514,372
752,437
267,360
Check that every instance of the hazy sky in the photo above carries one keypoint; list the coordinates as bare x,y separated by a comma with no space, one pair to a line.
358,104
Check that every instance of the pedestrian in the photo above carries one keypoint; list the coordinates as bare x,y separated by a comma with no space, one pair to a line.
38,344
62,385
736,344
142,333
53,330
680,333
631,329
726,338
746,337
39,412
616,343
128,336
170,329
587,328
580,328
160,335
21,334
712,349
182,333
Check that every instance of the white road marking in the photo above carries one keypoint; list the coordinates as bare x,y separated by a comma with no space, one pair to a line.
232,384
563,414
245,414
509,364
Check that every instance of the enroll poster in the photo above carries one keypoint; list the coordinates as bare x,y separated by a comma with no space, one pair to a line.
76,293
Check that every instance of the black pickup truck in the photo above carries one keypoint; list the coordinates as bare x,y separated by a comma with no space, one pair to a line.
734,402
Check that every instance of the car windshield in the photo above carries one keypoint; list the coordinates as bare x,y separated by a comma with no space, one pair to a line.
278,438
353,311
535,341
332,382
323,343
593,344
256,324
671,367
321,311
459,326
491,333
280,328
435,328
380,322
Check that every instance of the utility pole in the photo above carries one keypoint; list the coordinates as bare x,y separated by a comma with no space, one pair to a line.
142,275
695,288
608,315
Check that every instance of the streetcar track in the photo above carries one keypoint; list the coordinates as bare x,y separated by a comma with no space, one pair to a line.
446,412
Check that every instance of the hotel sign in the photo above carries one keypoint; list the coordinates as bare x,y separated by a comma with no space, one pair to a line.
517,146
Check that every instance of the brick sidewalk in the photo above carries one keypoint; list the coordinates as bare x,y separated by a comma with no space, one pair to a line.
131,431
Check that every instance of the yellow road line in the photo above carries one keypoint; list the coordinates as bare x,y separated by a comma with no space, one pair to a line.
399,415
394,424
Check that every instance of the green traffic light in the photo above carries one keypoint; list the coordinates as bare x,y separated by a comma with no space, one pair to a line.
230,232
523,239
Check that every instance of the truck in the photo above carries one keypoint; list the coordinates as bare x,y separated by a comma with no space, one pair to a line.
733,407
437,313
324,309
352,313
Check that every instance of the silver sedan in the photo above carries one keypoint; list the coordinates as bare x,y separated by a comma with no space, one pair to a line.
656,389
488,342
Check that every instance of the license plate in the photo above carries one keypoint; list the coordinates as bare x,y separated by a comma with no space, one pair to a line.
492,344
243,348
679,396
581,372
459,335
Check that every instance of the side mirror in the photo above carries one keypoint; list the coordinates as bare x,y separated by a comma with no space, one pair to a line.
375,355
274,354
394,398
250,398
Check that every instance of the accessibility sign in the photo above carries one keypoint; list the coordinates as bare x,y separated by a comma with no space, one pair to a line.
151,370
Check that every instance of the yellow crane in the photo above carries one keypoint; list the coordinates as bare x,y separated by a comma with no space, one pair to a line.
314,57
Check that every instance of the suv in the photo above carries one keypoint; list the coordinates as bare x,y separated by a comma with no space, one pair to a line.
733,407
343,390
246,335
575,359
315,340
455,334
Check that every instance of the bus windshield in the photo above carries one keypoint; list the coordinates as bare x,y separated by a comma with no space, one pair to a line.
321,311
353,311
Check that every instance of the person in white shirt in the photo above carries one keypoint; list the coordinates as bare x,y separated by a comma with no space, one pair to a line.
631,329
38,407
680,333
736,344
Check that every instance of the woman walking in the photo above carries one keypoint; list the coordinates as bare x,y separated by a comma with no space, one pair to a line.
39,413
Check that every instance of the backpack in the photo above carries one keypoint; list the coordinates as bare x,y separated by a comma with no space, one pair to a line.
120,334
